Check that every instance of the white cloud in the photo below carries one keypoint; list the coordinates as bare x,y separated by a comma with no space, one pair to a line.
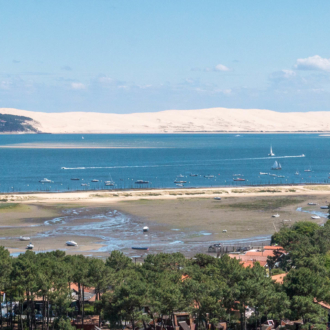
282,75
106,80
221,67
78,86
313,63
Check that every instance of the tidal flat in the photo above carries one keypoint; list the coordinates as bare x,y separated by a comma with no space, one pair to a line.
181,221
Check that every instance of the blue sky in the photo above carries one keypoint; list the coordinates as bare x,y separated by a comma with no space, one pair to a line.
142,56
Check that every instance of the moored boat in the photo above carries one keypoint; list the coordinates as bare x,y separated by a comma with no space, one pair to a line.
140,248
45,180
141,182
238,179
30,246
24,238
71,243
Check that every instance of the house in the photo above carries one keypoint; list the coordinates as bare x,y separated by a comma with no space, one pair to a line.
279,278
249,258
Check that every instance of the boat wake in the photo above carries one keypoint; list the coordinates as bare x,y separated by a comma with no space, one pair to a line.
177,165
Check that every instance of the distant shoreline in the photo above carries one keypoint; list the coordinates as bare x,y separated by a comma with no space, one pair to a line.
327,133
199,121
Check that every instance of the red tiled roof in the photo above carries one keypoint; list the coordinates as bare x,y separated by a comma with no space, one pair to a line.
245,257
279,278
251,263
267,253
268,247
321,303
74,286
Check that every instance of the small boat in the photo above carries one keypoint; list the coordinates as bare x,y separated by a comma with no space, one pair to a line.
109,183
281,176
71,243
276,166
75,179
262,173
141,182
271,154
82,137
297,173
145,229
324,207
45,180
238,175
179,184
312,203
315,217
308,170
84,184
180,181
180,176
275,215
208,176
191,174
217,198
95,180
140,248
30,246
272,175
24,238
238,179
302,155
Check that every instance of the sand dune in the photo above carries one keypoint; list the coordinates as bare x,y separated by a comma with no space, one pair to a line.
178,121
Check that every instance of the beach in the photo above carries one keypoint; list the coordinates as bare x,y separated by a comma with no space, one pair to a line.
180,220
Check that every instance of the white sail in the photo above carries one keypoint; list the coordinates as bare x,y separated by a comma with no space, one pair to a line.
271,152
276,166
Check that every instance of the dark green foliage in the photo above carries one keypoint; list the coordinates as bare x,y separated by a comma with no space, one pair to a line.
209,288
12,123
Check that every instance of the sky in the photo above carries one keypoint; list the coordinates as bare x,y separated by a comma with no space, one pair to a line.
120,56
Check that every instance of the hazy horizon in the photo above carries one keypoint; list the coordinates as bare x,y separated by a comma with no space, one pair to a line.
127,57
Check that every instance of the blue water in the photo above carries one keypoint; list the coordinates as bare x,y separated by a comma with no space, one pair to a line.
159,159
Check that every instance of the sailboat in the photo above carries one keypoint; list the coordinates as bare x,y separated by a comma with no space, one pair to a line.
276,166
110,182
271,154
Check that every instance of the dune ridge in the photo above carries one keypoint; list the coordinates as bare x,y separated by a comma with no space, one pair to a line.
178,121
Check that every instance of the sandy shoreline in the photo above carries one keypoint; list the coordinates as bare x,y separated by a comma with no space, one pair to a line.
101,196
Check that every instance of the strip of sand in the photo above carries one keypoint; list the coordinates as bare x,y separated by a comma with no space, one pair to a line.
156,194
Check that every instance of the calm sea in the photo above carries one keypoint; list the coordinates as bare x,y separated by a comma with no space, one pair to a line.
159,159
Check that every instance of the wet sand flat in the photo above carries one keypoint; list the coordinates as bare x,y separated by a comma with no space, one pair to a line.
187,221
